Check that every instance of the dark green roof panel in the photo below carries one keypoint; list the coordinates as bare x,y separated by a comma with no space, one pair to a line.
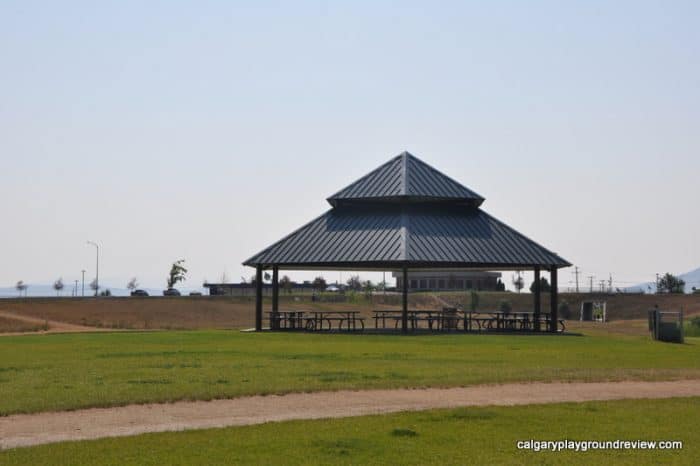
405,178
421,236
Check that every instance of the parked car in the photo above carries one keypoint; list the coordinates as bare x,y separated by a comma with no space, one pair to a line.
139,293
195,293
171,292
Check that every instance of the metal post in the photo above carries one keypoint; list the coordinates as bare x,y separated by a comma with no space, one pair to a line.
83,283
554,305
275,289
538,300
258,297
404,309
274,317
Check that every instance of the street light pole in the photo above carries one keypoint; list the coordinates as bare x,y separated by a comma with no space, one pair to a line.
97,266
83,283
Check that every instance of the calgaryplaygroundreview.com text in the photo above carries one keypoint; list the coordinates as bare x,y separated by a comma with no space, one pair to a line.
587,445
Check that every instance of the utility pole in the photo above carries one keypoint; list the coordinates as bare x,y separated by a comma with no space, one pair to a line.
76,288
590,277
576,273
83,282
602,286
610,284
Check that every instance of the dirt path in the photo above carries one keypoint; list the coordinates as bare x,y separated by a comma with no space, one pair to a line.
34,429
54,326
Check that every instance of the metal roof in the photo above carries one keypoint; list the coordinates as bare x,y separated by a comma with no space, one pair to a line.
420,236
405,178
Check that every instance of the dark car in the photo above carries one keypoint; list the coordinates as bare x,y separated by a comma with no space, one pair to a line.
195,293
139,293
171,292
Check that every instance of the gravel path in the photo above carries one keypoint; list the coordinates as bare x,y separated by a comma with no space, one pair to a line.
34,429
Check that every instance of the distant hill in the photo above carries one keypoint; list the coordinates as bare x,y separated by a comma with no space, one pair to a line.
692,279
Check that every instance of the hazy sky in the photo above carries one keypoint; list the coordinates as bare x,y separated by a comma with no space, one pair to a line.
207,130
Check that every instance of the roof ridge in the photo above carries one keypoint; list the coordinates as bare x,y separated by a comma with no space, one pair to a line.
404,173
406,178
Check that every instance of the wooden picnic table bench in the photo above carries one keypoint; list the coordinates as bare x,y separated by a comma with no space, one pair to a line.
436,319
317,320
286,320
514,321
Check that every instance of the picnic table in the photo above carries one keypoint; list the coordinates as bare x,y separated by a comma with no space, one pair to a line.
286,320
499,320
319,319
436,319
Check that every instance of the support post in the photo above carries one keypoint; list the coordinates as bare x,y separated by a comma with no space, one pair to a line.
275,289
538,301
404,308
553,302
274,317
258,297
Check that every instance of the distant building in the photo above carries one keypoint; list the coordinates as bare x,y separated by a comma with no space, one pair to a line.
449,281
248,289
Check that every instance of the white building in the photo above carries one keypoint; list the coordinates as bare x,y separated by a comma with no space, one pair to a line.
449,280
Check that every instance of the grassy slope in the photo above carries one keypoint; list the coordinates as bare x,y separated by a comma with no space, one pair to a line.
8,325
226,312
460,436
57,372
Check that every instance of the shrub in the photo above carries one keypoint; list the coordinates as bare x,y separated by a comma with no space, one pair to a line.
564,310
692,327
505,307
474,301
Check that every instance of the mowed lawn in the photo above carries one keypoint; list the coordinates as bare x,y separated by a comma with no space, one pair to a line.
458,436
59,372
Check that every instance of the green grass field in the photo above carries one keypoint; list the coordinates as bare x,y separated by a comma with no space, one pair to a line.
59,372
459,436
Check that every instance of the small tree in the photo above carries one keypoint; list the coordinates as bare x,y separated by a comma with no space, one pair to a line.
518,282
670,284
21,286
368,287
286,284
177,273
500,286
319,283
354,283
267,277
544,285
132,285
58,286
505,307
564,310
94,287
381,286
474,304
106,293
